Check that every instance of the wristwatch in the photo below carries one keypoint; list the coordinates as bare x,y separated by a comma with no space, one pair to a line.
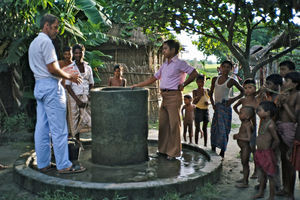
182,84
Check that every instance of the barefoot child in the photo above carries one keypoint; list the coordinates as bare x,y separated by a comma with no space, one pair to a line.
243,139
249,100
188,117
117,79
201,98
221,123
266,141
288,103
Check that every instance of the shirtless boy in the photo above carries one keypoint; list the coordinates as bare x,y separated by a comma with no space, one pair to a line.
117,79
288,101
286,67
266,141
251,101
188,117
243,139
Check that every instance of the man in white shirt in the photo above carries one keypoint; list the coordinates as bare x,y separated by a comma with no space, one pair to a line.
51,100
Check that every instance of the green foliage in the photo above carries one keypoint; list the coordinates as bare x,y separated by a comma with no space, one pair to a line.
14,123
60,195
225,27
170,196
209,192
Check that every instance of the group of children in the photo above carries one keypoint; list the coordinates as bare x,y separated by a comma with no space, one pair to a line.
276,144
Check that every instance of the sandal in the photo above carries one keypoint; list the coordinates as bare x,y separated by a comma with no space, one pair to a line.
3,166
171,158
49,168
73,169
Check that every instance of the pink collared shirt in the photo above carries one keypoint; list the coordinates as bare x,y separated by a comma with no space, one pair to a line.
173,74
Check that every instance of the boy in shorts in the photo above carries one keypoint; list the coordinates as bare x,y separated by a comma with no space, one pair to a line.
266,142
200,96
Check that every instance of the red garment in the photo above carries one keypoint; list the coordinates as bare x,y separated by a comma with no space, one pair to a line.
266,160
296,155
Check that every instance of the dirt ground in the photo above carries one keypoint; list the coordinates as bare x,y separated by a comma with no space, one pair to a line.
223,189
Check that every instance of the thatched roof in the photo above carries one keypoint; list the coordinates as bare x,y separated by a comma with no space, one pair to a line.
283,40
136,35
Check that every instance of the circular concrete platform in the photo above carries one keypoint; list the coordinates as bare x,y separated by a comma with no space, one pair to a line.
190,173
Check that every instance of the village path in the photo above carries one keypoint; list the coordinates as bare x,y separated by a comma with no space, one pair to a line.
224,188
231,168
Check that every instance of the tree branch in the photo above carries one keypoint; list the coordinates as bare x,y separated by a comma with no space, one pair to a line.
232,22
263,63
202,33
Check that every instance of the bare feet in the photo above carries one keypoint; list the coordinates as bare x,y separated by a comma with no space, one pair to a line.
240,181
254,175
258,196
242,185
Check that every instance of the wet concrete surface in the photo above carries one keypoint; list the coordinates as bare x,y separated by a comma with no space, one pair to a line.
158,167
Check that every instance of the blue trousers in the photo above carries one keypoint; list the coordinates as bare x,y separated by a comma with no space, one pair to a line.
51,124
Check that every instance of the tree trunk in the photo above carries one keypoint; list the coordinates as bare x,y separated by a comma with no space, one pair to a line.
246,70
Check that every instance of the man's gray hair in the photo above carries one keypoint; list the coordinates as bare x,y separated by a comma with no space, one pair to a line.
48,18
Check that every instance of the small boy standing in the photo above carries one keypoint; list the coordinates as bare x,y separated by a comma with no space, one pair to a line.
251,101
243,139
187,112
117,79
221,103
201,98
266,141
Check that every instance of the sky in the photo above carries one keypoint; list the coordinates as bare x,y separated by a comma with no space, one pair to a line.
191,52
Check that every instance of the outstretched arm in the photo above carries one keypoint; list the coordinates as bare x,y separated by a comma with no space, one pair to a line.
144,83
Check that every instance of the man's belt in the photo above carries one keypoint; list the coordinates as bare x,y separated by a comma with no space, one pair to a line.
168,90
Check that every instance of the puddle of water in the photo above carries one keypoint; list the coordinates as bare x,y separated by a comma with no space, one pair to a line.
158,167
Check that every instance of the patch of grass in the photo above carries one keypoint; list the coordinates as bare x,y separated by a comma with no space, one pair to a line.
153,125
209,192
235,125
60,195
170,196
210,71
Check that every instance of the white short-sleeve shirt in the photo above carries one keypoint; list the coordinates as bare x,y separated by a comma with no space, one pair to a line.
41,52
87,79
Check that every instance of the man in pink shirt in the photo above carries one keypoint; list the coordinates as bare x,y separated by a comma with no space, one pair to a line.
172,76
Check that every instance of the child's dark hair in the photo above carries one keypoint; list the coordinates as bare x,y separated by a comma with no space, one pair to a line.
269,106
227,62
295,77
188,96
289,64
78,46
200,77
249,81
249,110
173,44
67,48
275,78
117,67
